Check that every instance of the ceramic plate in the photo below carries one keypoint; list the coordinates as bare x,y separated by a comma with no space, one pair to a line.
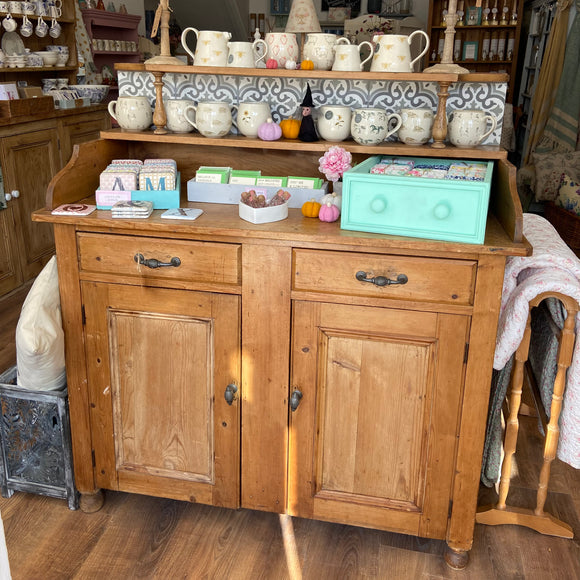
12,44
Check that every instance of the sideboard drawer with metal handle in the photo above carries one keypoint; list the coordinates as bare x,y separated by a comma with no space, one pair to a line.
380,276
140,258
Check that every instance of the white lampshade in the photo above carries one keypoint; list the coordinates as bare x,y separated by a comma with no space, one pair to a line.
303,17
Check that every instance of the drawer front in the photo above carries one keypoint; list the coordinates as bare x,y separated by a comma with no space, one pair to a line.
435,209
428,279
202,262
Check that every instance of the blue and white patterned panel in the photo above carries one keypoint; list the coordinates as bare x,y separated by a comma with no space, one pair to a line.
488,97
285,94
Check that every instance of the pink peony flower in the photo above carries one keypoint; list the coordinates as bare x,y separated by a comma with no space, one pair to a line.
334,163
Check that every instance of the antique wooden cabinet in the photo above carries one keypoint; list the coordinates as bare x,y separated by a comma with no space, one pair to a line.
254,369
32,151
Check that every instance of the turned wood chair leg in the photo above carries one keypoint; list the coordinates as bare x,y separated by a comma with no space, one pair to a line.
513,424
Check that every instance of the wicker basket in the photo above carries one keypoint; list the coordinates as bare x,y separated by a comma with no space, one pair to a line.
567,224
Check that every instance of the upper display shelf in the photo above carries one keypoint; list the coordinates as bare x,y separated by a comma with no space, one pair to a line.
314,74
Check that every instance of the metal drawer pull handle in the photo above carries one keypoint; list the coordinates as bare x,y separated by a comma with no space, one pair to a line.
230,393
153,263
295,399
381,280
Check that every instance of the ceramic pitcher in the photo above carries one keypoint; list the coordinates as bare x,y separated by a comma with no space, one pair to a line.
393,52
347,56
320,47
211,48
467,128
246,54
282,46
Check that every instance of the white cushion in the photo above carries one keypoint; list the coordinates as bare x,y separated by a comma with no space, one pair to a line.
39,335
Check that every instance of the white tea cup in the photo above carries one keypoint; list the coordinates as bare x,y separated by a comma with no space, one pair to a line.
180,115
416,126
370,126
333,122
467,128
55,29
41,28
213,119
27,28
132,113
9,24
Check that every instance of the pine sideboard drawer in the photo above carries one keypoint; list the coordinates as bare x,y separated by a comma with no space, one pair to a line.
427,279
136,259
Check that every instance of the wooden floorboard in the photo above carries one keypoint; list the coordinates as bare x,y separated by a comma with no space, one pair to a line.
135,536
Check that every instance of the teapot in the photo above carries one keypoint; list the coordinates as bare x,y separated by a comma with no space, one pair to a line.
393,52
211,48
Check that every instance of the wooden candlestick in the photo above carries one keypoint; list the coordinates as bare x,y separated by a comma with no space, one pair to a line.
162,17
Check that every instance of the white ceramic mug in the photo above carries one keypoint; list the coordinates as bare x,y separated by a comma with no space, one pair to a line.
282,47
333,123
246,54
251,116
393,52
132,113
213,119
27,27
55,29
28,8
15,7
370,126
180,115
41,28
347,56
320,48
416,126
211,48
3,6
9,24
467,128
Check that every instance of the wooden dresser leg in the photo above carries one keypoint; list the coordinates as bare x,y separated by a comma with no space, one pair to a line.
92,502
456,559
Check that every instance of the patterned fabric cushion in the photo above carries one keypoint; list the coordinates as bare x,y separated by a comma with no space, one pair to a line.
549,170
569,194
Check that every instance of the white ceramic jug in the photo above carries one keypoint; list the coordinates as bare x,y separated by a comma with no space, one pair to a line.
211,48
347,56
282,46
246,54
393,53
320,47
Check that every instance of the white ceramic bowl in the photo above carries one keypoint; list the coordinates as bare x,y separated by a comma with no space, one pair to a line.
49,58
95,92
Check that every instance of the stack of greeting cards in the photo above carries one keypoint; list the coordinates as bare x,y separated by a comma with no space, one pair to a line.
132,209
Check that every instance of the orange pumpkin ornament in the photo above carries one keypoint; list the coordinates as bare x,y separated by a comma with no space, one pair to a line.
290,128
307,65
310,208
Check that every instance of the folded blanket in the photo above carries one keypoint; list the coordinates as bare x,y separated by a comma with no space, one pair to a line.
553,267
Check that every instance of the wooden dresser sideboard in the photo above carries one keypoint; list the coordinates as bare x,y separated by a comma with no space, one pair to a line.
260,372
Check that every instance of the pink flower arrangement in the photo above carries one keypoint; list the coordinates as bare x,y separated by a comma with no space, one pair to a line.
334,163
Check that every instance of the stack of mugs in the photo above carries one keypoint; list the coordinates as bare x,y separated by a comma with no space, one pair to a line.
109,45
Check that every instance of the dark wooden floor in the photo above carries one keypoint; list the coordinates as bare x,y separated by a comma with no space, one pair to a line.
143,537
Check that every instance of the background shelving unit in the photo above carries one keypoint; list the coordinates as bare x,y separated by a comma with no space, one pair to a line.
477,34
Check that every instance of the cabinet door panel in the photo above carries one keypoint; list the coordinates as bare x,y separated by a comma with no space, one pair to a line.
9,271
159,361
373,438
31,161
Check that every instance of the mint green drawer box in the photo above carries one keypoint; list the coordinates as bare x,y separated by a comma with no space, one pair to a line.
418,207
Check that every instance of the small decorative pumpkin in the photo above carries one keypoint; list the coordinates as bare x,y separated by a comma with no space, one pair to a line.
328,213
307,65
290,128
310,208
332,198
271,63
290,64
269,131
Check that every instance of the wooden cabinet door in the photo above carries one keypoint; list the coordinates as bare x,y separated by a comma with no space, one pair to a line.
30,162
9,270
372,441
159,362
75,130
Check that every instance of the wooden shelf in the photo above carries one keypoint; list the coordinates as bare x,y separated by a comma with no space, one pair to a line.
240,142
46,18
495,27
39,69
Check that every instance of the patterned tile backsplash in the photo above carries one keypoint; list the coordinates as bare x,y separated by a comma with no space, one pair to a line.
285,94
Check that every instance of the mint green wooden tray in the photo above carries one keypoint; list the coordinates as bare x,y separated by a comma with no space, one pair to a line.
436,209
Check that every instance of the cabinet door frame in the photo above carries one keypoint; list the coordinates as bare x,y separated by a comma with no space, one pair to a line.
444,336
221,312
10,275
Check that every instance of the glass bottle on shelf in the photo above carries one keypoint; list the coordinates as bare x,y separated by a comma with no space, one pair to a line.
485,14
494,14
440,46
501,42
460,13
514,14
510,45
485,42
493,46
457,46
443,13
503,19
